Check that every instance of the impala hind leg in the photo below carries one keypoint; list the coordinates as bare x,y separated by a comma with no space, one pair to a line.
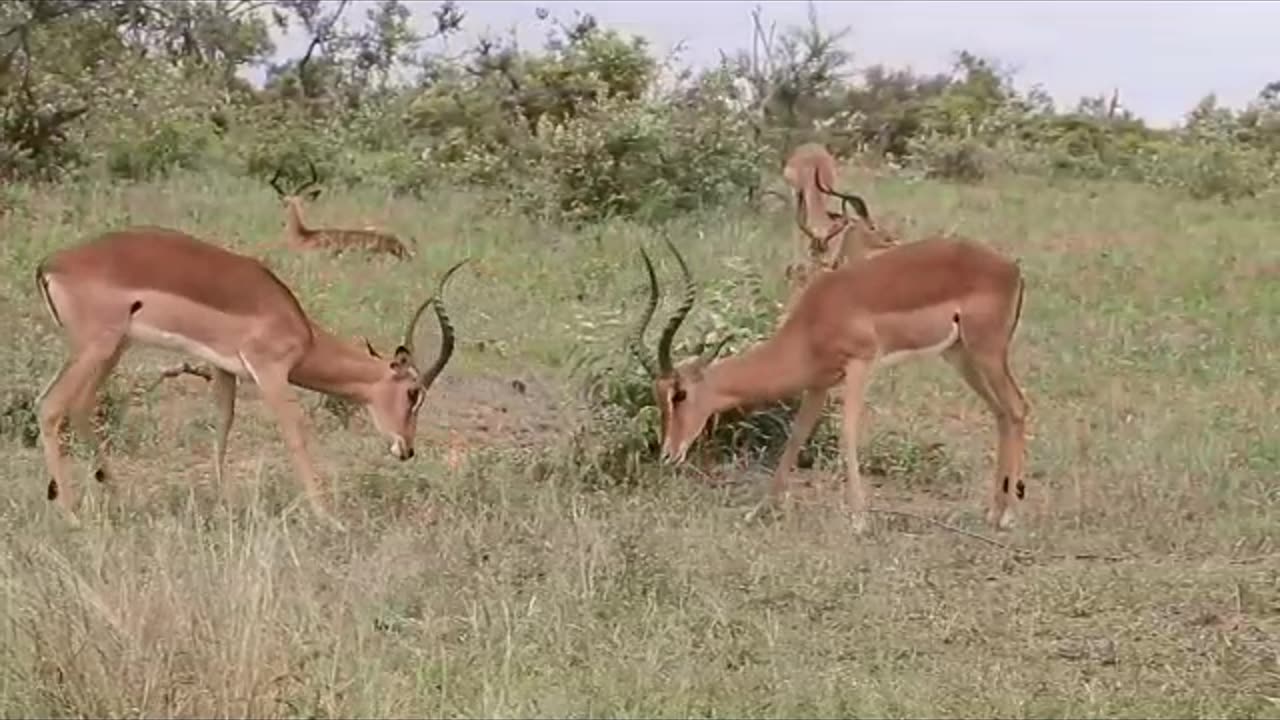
998,494
856,375
989,375
78,376
82,418
1011,409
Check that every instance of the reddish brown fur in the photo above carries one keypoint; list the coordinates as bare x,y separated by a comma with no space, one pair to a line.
939,295
336,239
156,258
161,287
806,162
841,238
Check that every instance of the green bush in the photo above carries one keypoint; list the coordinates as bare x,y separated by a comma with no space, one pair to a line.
1210,169
952,158
592,125
621,432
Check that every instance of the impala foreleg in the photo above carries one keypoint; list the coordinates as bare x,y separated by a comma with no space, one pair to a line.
224,400
273,383
856,375
801,428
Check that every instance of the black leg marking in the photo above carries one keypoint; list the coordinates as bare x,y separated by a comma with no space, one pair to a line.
956,318
1005,487
135,307
52,492
1021,489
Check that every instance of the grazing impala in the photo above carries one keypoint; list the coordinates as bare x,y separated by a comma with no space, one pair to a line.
811,173
859,235
164,288
936,296
333,239
807,163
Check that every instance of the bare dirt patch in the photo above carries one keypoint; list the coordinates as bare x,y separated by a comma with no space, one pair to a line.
484,409
1092,243
502,409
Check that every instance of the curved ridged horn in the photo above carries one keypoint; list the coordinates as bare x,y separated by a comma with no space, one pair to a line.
315,178
446,329
275,182
636,343
669,332
818,245
859,205
715,351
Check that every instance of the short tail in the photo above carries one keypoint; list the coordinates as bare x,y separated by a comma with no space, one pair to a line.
42,284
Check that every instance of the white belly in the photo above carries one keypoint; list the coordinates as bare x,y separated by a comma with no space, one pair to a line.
893,358
148,335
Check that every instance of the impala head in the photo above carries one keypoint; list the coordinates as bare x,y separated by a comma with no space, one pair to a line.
684,399
859,234
311,187
395,399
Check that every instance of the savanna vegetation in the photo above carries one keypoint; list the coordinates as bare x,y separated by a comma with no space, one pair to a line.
535,559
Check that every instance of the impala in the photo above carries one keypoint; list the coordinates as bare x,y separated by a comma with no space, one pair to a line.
859,235
806,164
937,296
164,288
811,172
299,236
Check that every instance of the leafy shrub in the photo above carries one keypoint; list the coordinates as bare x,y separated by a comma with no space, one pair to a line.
1209,170
171,146
950,158
621,433
592,125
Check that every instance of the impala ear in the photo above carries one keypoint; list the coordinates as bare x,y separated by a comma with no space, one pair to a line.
369,346
706,358
402,357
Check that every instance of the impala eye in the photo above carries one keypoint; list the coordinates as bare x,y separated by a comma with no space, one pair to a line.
678,396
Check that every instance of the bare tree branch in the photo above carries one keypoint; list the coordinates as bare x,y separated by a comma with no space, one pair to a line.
321,34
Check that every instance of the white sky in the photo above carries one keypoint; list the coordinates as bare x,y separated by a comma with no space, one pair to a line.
1163,56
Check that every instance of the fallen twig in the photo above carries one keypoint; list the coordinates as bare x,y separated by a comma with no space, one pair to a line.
1020,553
950,528
1023,552
183,369
1254,559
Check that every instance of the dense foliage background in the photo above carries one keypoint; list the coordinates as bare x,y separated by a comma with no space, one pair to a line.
593,124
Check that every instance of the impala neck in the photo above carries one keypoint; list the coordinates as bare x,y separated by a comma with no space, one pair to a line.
335,367
293,218
768,371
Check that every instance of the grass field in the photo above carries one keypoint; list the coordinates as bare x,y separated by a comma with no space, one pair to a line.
469,585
